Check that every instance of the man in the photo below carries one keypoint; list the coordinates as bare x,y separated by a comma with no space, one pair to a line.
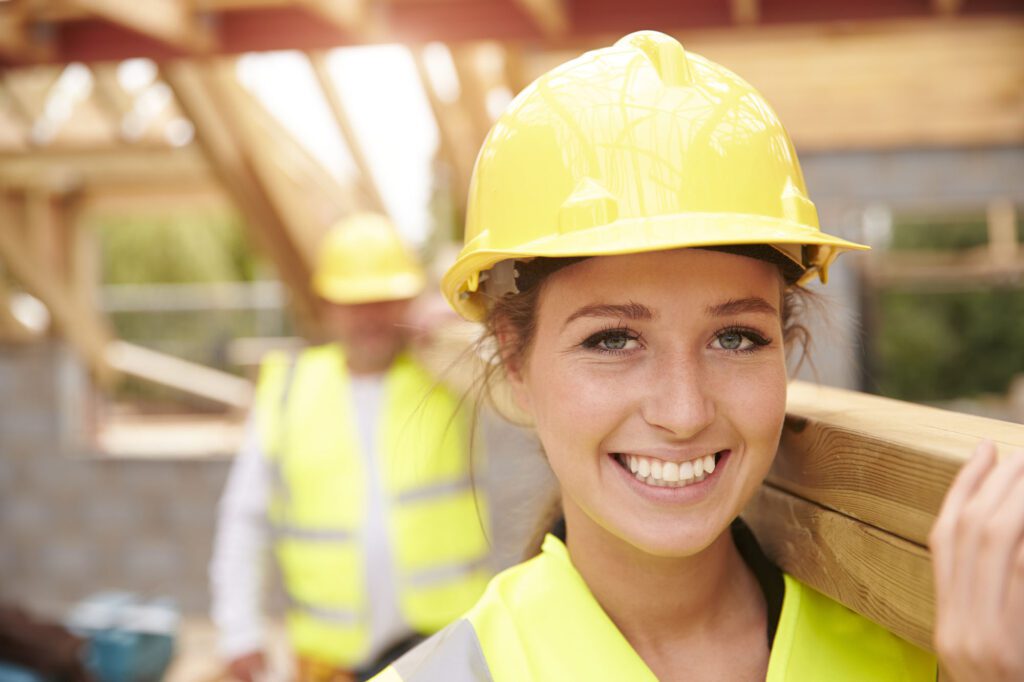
360,462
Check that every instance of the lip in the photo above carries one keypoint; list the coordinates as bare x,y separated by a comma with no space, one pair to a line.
686,495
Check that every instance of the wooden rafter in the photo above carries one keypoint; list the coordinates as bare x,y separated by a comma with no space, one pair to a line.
457,148
169,21
203,101
551,16
355,149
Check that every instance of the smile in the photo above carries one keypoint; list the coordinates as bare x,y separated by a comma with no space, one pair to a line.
661,474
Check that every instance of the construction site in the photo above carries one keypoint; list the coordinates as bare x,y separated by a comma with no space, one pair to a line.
169,171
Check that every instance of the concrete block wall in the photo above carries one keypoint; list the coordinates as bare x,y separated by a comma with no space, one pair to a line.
72,522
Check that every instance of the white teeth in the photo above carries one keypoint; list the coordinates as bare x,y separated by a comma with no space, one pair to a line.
661,474
670,472
709,464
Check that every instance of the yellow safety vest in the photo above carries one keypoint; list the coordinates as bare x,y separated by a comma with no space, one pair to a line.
318,501
538,622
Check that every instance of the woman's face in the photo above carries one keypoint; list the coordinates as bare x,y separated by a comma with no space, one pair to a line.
657,384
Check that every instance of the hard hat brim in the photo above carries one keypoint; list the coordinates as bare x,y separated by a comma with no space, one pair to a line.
639,235
353,291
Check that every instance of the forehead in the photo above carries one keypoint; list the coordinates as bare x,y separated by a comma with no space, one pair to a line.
662,278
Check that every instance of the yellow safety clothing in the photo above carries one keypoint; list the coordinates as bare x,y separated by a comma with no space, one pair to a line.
636,147
318,500
363,260
538,622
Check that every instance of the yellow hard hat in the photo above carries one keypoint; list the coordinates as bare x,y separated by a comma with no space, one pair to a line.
631,148
363,260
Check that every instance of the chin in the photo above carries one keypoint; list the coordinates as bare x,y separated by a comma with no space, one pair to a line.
673,539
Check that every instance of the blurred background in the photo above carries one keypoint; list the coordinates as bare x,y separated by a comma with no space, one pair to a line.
167,169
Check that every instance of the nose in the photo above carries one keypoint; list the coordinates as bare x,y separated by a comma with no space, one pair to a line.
679,399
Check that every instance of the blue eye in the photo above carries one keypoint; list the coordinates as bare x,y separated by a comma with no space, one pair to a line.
740,340
731,340
611,341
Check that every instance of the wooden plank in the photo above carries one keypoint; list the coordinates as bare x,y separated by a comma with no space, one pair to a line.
129,166
169,21
348,133
883,462
188,377
877,574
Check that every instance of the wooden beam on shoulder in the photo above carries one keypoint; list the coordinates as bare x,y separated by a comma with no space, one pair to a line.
172,22
854,491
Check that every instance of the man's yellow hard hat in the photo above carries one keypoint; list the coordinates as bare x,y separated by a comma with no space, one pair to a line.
636,147
363,260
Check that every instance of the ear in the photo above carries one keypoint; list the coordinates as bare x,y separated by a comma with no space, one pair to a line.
514,365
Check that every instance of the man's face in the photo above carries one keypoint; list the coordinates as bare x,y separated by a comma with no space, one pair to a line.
371,333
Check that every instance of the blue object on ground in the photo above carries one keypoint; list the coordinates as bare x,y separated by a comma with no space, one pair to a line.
130,640
15,673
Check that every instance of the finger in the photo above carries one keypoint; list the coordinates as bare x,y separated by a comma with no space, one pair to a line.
967,481
975,588
1002,540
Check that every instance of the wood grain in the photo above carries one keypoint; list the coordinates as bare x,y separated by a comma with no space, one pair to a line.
877,574
883,462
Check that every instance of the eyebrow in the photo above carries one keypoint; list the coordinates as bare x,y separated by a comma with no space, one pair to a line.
736,306
629,311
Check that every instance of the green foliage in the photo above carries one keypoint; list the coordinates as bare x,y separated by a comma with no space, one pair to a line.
941,346
944,346
186,246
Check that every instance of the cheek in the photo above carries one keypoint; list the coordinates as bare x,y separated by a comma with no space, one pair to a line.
757,406
572,409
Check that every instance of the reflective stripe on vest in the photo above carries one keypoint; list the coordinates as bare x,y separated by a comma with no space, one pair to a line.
318,503
539,621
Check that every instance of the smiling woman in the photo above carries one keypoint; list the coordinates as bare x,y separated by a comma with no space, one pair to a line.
637,236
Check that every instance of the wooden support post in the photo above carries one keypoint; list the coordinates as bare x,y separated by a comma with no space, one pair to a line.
853,494
333,96
82,327
1002,232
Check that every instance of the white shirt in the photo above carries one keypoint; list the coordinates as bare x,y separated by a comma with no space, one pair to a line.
242,542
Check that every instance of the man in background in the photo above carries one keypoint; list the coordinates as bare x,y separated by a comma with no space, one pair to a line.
355,470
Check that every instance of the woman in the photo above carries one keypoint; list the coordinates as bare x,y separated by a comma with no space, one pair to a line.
637,235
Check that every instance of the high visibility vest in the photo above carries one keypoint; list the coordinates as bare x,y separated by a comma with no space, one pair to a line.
319,500
538,622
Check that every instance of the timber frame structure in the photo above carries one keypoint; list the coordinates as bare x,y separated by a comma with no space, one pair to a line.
859,479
